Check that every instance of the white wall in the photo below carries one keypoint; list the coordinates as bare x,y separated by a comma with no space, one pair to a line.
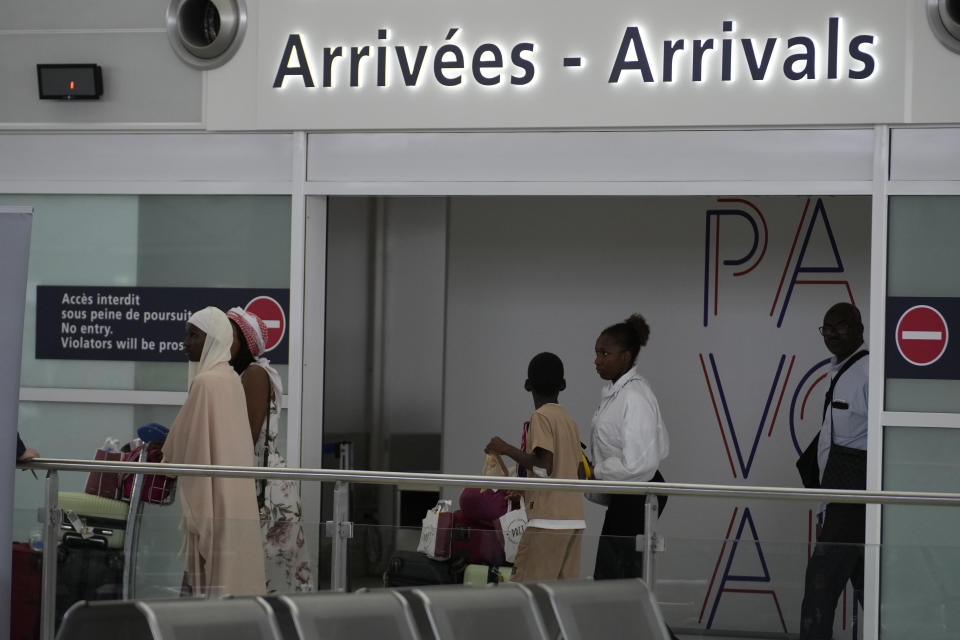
403,286
933,92
346,349
533,274
145,84
414,290
909,66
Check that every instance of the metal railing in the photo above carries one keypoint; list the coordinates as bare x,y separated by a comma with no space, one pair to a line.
340,529
925,498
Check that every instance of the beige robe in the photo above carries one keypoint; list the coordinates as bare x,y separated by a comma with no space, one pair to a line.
221,521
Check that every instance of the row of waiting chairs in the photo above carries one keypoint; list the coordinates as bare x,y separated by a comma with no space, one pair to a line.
570,610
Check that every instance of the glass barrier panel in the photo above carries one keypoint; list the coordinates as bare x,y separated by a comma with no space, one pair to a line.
77,430
733,588
739,584
922,261
919,591
147,241
920,559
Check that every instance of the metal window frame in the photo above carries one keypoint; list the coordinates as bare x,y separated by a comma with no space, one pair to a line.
879,187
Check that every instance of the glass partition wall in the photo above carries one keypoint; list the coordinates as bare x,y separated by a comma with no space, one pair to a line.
435,306
920,593
446,297
131,241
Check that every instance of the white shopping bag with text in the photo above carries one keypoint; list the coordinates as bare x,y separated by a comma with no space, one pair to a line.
512,525
436,531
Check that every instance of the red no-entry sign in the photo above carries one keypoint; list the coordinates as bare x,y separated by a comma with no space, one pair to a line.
272,315
921,335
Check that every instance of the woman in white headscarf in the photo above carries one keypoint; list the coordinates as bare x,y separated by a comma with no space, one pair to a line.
221,529
284,543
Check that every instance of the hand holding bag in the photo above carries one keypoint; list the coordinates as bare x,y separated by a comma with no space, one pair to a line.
436,531
493,466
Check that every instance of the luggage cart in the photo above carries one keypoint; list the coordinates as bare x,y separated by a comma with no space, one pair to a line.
99,525
134,515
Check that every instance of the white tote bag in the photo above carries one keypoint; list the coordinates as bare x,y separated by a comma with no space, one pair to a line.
512,525
434,534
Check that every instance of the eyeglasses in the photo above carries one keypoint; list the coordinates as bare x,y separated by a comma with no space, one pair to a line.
833,329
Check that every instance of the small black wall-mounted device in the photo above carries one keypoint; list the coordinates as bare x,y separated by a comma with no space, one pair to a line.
70,81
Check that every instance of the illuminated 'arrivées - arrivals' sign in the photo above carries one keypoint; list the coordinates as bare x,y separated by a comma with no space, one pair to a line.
636,57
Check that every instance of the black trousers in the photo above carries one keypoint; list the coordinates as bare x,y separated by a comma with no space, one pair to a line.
838,557
617,555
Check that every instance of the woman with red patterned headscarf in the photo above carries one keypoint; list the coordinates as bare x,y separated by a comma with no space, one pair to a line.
288,564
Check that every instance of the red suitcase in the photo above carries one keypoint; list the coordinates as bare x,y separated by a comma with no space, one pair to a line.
26,576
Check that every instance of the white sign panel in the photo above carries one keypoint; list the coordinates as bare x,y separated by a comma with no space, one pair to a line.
431,64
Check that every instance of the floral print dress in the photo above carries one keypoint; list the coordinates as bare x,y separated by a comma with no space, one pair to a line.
284,543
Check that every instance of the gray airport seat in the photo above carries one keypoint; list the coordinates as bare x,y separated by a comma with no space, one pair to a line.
104,620
604,609
236,619
456,612
374,615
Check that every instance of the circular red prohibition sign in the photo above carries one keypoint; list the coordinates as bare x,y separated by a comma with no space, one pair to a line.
272,315
922,335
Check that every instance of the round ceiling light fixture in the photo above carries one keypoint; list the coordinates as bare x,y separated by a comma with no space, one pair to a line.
944,19
206,33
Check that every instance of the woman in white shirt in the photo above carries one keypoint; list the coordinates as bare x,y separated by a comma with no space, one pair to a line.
628,442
